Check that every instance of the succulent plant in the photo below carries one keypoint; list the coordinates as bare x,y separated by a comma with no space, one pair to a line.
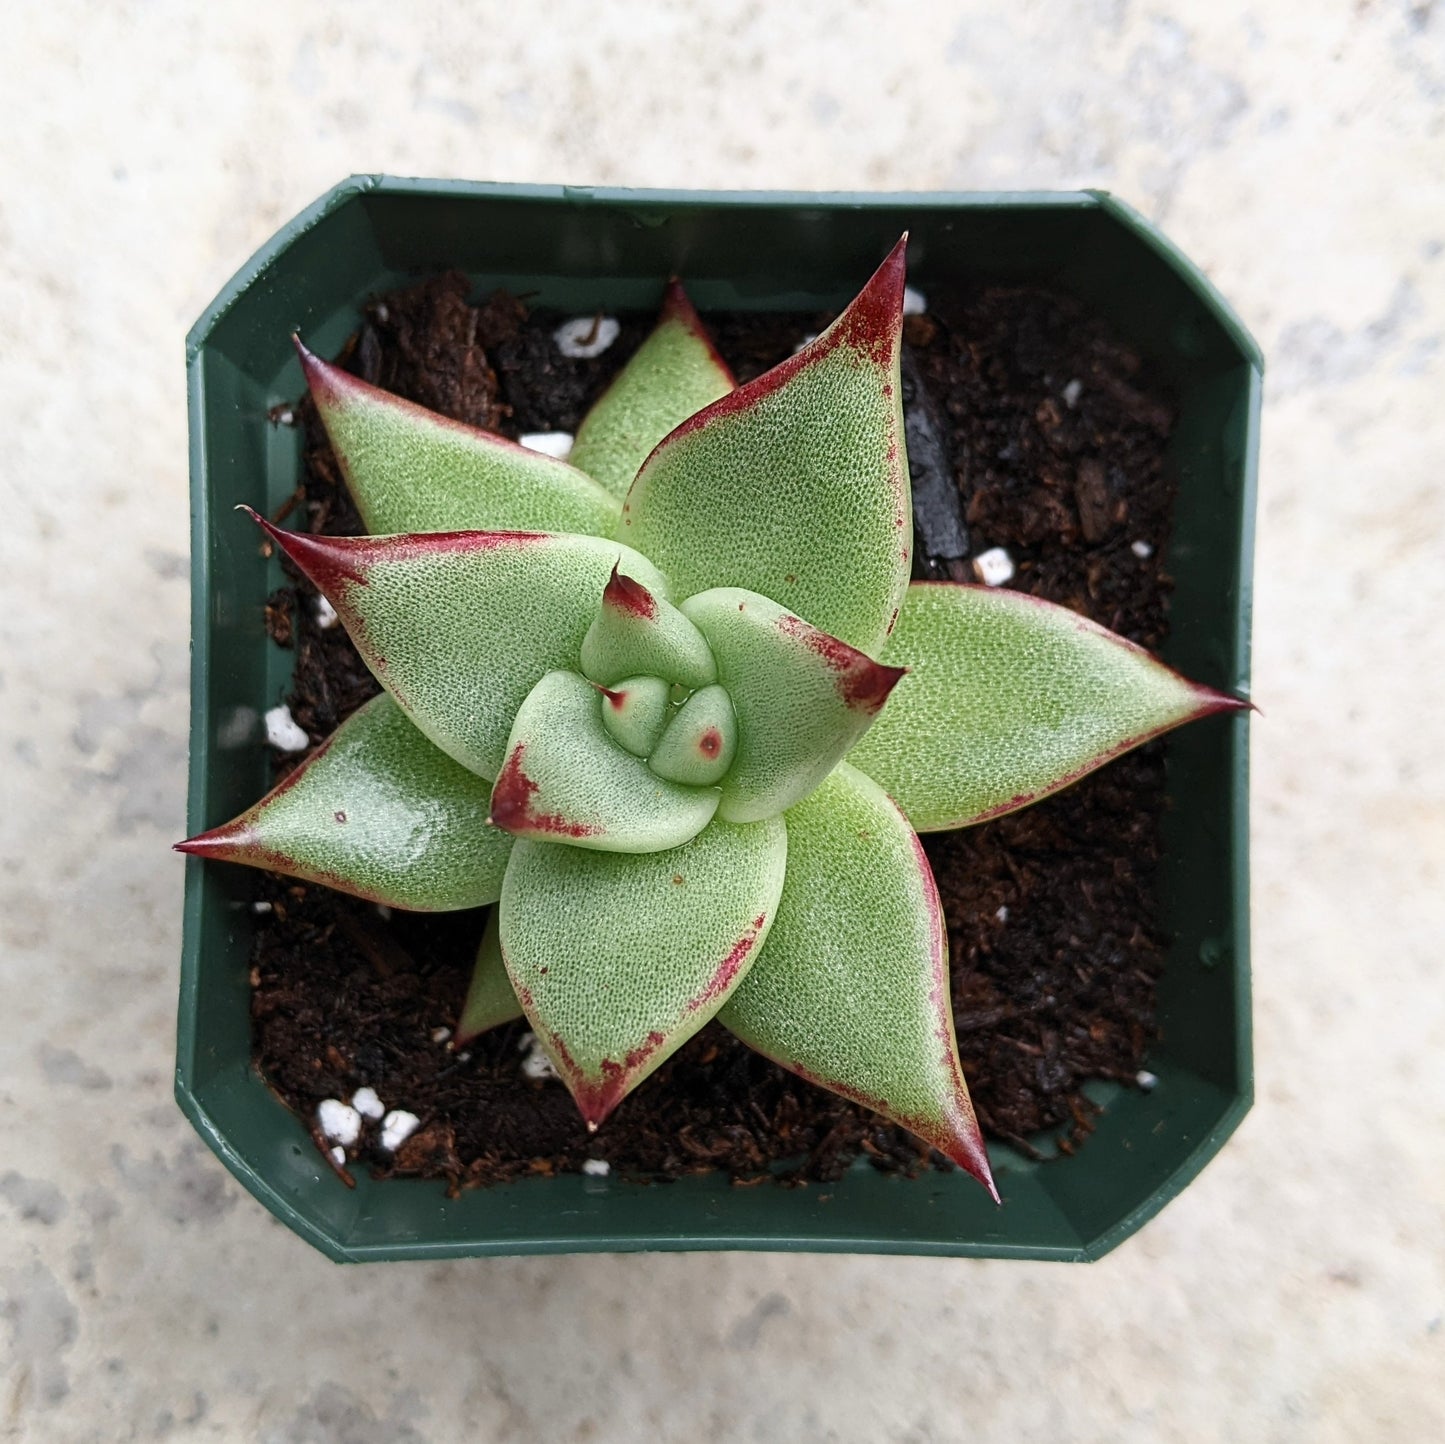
676,707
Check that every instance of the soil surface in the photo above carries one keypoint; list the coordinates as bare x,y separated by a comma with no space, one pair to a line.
1031,429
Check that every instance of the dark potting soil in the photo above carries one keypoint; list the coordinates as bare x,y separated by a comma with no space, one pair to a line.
1029,428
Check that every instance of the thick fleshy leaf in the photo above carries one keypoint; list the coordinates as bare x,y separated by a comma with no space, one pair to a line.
700,742
567,781
410,470
851,989
796,484
491,1000
460,626
672,375
802,698
619,960
376,811
635,712
639,634
1008,699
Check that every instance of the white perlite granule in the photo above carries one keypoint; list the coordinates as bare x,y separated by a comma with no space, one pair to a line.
366,1103
584,337
1142,550
993,567
549,443
282,731
536,1065
596,1167
339,1121
397,1127
915,303
326,617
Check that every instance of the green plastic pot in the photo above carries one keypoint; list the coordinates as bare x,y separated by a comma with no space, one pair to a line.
583,249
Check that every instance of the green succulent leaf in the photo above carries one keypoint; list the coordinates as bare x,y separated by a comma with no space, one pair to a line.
410,470
673,374
618,960
851,989
637,633
460,626
802,698
635,711
376,811
700,741
796,484
567,781
1008,699
491,1000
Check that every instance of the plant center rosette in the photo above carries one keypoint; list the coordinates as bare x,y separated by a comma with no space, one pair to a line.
674,706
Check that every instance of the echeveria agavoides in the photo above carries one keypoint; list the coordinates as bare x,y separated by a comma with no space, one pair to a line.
621,712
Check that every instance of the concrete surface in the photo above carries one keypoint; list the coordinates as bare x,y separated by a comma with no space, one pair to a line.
1296,1292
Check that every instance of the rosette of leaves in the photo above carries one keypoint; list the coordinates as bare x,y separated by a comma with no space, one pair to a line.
676,708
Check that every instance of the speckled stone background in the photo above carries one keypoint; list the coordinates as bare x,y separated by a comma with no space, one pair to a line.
1296,1291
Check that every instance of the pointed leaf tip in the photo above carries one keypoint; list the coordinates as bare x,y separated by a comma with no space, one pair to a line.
223,843
376,811
795,485
618,959
863,684
851,988
674,373
677,306
413,470
1010,698
628,596
873,323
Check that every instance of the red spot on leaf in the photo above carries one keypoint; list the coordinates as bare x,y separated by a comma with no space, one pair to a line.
710,743
629,596
862,683
512,809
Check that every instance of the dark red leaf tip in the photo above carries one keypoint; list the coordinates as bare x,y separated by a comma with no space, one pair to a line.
629,596
862,683
321,376
512,810
330,562
873,321
219,842
677,306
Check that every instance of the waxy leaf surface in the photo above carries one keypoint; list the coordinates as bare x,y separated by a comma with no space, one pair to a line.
635,712
377,811
700,742
1009,698
460,626
491,1000
673,374
567,781
796,484
618,960
802,698
637,633
851,988
411,470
